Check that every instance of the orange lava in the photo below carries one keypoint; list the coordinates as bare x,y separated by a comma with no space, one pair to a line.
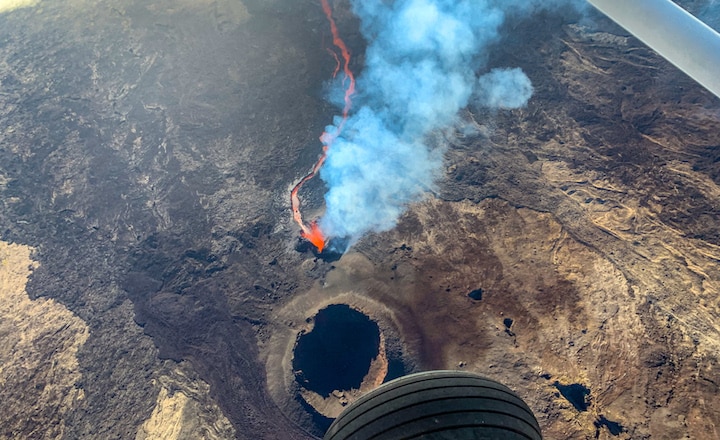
337,62
313,233
315,236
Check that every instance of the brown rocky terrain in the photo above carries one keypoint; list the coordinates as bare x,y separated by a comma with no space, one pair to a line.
152,283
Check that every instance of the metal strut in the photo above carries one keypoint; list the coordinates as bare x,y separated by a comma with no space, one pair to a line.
672,32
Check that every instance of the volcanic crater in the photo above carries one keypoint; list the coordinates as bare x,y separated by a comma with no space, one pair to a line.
337,345
338,352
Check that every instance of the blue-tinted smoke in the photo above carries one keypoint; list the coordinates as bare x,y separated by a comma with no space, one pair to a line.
420,70
504,89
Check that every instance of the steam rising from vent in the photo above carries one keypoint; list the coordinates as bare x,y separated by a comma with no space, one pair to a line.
504,89
420,70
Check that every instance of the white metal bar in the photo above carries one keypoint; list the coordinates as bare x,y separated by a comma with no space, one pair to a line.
672,32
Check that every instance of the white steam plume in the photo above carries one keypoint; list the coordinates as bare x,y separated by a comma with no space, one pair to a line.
420,70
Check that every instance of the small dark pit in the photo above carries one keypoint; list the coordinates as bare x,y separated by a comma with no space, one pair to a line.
476,294
615,428
508,323
576,394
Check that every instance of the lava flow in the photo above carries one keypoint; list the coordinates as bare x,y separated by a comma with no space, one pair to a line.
312,233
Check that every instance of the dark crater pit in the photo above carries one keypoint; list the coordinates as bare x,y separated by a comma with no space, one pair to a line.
615,428
336,354
333,251
576,394
476,294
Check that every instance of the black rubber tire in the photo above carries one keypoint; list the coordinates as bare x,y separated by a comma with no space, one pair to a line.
437,405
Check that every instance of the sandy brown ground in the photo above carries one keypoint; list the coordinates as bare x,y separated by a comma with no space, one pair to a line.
39,345
40,374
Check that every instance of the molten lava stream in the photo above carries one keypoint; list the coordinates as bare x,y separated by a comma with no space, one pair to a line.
312,233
